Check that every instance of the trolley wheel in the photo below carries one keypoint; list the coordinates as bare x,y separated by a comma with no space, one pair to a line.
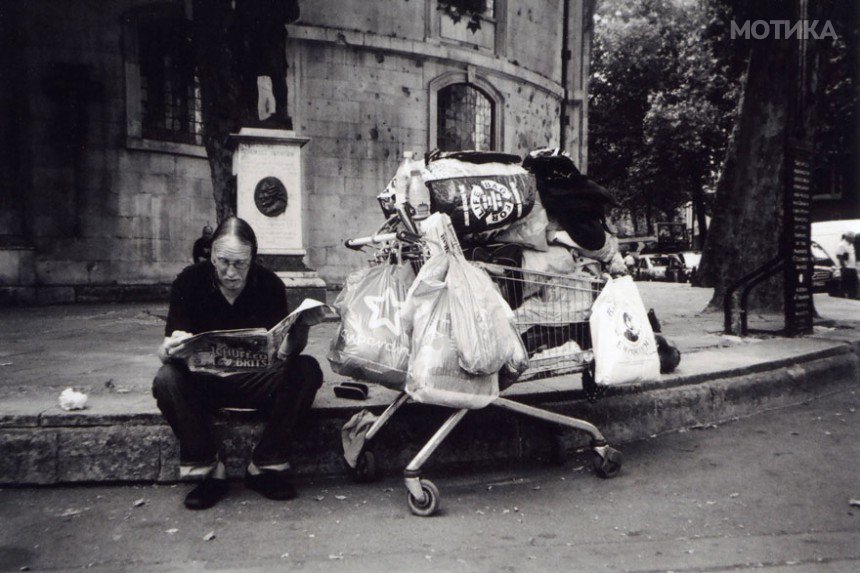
608,464
427,506
365,470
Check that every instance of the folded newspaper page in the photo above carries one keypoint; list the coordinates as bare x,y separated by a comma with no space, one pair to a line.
225,352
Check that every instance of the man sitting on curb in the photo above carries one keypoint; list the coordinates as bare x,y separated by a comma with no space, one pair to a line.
227,292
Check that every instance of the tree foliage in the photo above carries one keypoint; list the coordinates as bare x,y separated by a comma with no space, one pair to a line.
660,103
459,9
838,132
678,107
780,108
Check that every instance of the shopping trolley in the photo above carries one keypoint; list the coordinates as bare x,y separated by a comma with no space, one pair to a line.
554,329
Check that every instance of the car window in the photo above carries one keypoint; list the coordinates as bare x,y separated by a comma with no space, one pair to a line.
820,256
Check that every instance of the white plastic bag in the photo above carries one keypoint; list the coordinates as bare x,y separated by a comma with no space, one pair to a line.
625,350
529,231
434,375
604,254
482,323
372,342
439,233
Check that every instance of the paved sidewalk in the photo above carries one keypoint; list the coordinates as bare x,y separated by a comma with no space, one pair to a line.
108,351
746,496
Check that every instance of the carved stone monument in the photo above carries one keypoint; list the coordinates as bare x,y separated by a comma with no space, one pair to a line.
268,168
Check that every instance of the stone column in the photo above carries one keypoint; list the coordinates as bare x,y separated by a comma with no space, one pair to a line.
576,55
270,197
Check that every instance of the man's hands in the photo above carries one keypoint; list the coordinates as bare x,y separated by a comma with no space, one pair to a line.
295,341
170,342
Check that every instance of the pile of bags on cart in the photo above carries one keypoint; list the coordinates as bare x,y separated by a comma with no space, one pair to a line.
445,334
448,334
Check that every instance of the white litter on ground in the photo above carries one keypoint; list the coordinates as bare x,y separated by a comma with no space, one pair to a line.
71,399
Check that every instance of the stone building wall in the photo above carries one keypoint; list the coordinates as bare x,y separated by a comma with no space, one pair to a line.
361,110
366,78
363,77
107,216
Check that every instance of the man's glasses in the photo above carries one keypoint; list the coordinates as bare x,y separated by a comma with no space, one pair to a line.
241,265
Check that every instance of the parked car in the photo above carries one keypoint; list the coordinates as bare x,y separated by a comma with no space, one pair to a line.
637,245
657,267
826,235
825,272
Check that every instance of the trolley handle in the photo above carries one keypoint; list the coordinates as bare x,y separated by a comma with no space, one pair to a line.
402,236
358,243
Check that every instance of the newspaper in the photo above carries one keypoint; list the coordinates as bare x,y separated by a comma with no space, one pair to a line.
226,352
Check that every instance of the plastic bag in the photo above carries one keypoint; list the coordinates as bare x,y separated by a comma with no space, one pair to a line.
624,346
439,234
434,375
479,197
372,342
604,254
529,231
482,323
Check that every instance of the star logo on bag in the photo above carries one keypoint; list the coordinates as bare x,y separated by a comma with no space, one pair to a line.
378,305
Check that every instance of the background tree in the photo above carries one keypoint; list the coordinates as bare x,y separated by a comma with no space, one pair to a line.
747,228
839,125
660,103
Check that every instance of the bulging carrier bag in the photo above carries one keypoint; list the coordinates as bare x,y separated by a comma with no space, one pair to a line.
482,322
434,374
371,342
624,346
479,196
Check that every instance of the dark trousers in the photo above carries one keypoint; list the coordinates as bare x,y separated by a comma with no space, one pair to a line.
284,393
849,282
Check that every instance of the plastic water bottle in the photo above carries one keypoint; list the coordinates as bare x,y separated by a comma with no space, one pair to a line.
401,179
419,195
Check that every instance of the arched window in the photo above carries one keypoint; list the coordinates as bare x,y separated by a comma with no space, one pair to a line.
465,118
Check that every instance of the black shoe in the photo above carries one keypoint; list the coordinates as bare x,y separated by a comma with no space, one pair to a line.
207,493
273,485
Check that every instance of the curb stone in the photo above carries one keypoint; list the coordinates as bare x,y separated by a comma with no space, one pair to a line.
140,448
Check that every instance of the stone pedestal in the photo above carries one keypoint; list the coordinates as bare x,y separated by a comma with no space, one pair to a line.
268,168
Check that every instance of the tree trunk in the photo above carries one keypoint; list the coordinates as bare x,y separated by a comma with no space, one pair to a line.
649,220
747,224
220,94
779,107
700,217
